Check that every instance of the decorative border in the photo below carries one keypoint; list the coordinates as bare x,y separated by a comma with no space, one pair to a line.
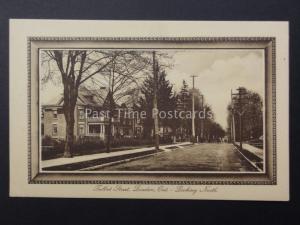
153,182
273,181
169,39
29,108
274,108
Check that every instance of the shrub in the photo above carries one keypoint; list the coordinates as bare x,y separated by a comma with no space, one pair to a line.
166,140
118,142
90,145
47,141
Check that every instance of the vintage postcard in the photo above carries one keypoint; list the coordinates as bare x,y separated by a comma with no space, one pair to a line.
132,109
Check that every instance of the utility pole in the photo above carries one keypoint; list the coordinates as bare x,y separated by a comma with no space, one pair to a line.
202,119
240,117
240,97
193,109
233,120
155,109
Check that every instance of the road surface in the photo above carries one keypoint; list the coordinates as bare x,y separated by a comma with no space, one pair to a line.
198,157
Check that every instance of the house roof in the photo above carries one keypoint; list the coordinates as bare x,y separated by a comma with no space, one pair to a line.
85,97
55,100
91,97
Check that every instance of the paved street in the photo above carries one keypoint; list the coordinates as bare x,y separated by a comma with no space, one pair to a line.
199,157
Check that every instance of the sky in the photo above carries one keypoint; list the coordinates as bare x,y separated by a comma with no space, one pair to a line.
218,72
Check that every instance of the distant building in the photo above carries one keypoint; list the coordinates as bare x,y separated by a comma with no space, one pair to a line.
87,121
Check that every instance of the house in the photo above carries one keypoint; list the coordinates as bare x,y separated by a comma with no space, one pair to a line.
91,118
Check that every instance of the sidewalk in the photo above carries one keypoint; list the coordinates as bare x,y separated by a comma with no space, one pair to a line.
256,151
252,154
80,162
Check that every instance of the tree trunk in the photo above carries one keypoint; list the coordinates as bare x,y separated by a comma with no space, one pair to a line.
111,114
70,98
109,135
155,107
69,135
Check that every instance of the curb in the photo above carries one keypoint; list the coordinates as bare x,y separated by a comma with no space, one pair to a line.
248,160
118,162
93,164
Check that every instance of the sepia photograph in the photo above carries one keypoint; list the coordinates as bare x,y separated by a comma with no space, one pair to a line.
199,110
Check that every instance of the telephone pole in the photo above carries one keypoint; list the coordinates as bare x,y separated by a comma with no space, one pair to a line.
201,121
240,101
233,120
155,110
193,109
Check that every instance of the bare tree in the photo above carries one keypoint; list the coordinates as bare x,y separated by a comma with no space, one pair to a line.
118,71
122,78
74,68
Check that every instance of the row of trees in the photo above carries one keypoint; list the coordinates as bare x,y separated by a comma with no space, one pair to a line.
119,72
127,76
168,100
248,112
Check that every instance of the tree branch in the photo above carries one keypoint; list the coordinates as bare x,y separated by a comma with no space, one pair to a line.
101,68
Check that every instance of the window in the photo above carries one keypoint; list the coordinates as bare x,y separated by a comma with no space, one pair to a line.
54,129
81,114
94,128
55,114
81,130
